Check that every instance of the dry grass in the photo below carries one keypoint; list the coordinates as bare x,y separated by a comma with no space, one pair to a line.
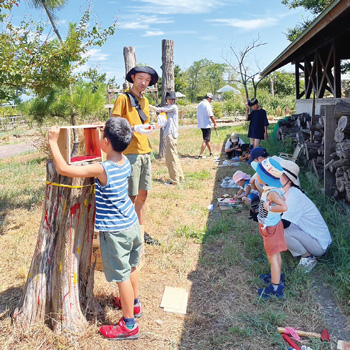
215,256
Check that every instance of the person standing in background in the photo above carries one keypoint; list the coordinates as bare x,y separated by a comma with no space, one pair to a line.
205,116
171,135
258,123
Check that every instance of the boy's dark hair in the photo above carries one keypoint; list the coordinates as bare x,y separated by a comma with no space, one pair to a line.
118,131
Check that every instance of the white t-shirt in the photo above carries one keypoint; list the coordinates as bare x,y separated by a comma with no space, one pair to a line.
229,143
204,112
303,213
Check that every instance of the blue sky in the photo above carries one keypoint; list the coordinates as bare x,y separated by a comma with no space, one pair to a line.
200,29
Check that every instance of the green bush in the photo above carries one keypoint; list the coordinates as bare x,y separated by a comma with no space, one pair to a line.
274,105
218,109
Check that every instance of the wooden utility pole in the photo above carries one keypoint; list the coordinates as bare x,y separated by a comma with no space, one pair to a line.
168,81
130,62
59,286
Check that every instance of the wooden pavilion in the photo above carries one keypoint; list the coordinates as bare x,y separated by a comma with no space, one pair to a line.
317,56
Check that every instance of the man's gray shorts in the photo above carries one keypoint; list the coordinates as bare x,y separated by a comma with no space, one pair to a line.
141,174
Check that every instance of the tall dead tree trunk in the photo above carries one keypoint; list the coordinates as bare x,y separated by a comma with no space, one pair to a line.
59,286
130,62
168,82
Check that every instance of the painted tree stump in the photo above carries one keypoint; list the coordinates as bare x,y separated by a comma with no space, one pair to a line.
59,286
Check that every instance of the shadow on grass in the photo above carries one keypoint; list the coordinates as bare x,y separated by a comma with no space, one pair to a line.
9,300
11,202
219,287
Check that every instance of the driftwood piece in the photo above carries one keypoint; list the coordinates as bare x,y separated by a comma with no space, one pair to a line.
344,124
338,135
59,278
347,192
340,183
329,165
338,163
342,149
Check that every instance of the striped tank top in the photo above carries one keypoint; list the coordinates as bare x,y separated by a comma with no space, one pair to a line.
114,209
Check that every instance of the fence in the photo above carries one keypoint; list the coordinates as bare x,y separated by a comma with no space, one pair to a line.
10,122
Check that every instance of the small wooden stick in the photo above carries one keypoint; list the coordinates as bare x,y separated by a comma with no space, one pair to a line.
300,333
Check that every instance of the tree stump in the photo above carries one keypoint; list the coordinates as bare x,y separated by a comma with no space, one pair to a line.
59,286
168,82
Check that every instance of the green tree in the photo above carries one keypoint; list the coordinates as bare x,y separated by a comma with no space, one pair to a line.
214,76
31,61
193,79
315,7
83,100
181,79
204,76
279,83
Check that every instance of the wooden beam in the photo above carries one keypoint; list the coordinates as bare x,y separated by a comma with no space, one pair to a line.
337,73
328,147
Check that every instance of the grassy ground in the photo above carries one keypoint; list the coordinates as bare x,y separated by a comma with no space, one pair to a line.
216,256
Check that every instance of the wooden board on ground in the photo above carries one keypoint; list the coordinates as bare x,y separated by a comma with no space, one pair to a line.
228,203
343,345
174,300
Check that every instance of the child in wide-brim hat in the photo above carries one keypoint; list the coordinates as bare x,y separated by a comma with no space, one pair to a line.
272,204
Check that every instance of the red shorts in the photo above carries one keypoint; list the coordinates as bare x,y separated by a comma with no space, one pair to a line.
273,237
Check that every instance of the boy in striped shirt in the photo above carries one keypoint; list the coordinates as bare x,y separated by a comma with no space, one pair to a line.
116,220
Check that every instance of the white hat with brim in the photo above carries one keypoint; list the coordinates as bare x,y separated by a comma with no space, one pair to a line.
291,170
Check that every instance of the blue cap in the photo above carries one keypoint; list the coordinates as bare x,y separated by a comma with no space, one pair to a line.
256,153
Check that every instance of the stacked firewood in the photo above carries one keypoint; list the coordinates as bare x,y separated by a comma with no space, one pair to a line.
339,164
308,132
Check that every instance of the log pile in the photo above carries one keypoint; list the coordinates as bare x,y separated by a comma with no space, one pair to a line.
301,129
339,164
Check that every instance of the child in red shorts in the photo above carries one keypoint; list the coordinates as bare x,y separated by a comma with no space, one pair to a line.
272,204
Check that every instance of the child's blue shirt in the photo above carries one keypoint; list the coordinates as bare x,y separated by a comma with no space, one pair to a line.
114,208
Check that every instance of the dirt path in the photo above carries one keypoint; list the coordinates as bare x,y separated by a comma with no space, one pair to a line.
11,150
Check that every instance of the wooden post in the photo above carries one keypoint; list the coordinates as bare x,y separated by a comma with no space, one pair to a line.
329,145
168,82
59,286
130,62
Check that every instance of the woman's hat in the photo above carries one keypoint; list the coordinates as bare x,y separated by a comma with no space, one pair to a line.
170,95
240,175
291,170
234,137
252,102
270,172
143,69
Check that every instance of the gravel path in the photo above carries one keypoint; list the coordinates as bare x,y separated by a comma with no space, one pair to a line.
11,150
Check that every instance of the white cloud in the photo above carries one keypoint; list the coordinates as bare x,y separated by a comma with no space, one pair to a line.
207,37
144,22
249,24
96,55
180,6
154,33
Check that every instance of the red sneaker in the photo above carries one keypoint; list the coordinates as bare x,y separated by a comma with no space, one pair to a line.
120,331
137,307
